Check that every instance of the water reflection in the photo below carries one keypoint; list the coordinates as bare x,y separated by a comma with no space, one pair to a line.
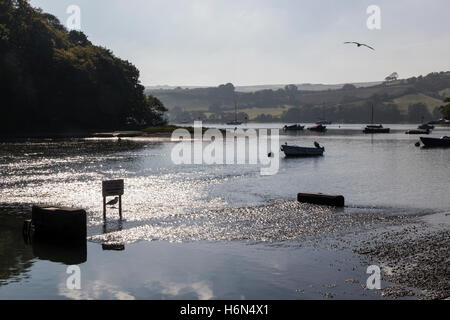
16,258
110,227
66,254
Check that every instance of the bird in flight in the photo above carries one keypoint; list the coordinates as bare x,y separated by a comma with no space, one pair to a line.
359,44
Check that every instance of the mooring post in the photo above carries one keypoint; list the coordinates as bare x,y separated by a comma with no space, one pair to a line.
104,208
120,207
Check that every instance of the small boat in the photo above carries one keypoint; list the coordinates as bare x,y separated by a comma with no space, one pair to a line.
443,142
235,122
375,128
440,121
318,128
295,151
323,122
295,127
418,131
426,126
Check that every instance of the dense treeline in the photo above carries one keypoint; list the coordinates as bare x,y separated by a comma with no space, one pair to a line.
347,104
54,80
386,113
445,110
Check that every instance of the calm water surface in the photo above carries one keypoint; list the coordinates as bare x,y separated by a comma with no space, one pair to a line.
385,174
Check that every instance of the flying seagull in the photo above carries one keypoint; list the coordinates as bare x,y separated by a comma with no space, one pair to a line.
359,44
113,201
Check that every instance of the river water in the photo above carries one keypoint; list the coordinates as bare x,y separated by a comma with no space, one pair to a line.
211,211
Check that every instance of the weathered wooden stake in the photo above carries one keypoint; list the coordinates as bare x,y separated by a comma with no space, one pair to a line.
120,207
104,208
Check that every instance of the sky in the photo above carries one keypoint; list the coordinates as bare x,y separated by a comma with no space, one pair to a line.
255,42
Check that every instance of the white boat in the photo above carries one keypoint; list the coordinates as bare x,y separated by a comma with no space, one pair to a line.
295,151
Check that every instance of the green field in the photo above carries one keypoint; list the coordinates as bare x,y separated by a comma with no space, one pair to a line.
445,92
254,112
404,101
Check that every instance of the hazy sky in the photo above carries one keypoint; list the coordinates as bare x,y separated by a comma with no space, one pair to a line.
249,42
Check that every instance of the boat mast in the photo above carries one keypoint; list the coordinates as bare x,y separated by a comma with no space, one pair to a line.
372,114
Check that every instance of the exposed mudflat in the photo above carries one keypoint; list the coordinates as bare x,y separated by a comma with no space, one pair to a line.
416,256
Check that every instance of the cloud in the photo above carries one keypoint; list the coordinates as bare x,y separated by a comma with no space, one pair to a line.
201,289
95,290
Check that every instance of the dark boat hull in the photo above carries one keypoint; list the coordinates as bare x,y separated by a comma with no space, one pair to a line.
377,130
234,123
318,128
294,128
418,132
294,151
425,127
435,142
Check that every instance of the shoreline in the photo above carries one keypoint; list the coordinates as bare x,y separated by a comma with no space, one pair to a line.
150,132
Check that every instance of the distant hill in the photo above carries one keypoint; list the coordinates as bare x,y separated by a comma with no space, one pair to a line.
303,86
399,101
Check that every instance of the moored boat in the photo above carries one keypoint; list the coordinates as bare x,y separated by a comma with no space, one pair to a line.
295,151
418,131
295,127
376,129
235,122
443,142
426,126
318,128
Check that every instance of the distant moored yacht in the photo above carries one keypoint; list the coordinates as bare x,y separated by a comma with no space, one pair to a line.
372,128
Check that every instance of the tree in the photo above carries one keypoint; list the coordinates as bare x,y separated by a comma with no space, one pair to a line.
392,77
418,112
348,86
55,80
78,38
215,108
445,110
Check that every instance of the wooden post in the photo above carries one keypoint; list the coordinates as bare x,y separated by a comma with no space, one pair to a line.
104,208
120,207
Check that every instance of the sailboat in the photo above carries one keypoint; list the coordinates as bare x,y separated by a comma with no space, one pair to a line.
323,121
375,128
235,122
425,126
